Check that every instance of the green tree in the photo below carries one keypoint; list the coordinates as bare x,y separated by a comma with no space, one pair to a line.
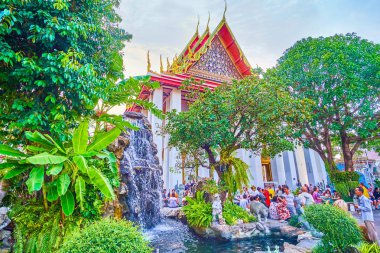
247,114
56,57
341,75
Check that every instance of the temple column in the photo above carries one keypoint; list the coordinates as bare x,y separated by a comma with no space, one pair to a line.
280,169
176,177
291,173
257,171
157,99
301,165
314,166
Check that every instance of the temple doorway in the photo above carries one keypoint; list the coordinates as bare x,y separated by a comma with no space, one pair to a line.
266,169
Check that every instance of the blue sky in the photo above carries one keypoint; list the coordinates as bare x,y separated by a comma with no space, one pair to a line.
264,29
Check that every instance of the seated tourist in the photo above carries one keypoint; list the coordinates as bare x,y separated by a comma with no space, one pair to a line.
376,198
339,202
282,210
327,199
273,214
243,203
316,196
305,197
173,201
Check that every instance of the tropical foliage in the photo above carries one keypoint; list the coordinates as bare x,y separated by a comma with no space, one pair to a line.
38,230
107,235
198,212
57,57
219,123
340,74
340,230
63,171
232,213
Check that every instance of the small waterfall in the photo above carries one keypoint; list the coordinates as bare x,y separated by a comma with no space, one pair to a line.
142,174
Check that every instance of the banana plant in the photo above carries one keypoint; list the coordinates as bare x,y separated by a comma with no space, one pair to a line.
61,171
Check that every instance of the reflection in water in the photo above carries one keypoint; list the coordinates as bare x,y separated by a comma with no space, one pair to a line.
174,237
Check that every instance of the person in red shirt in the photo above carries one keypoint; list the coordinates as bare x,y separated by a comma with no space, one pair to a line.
267,196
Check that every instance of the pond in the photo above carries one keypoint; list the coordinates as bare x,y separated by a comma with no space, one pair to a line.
172,236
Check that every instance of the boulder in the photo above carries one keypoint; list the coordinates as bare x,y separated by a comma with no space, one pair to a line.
172,213
290,231
290,248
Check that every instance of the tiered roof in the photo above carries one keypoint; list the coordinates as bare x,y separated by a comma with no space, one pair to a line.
212,58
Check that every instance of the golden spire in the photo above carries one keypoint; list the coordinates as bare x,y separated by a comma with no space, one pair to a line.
197,26
161,66
167,64
148,60
208,22
225,9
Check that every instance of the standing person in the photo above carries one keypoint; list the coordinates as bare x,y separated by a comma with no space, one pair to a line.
254,191
317,196
365,207
289,197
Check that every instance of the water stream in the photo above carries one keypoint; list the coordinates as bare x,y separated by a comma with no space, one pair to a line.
142,174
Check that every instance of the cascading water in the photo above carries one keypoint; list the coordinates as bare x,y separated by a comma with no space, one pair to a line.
141,172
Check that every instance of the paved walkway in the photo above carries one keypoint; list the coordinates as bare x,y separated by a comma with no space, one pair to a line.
376,217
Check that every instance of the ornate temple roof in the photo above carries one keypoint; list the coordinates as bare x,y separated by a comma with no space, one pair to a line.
212,58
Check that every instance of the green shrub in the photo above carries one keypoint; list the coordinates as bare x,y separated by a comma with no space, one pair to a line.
233,212
340,230
368,248
344,176
107,236
37,230
293,221
197,211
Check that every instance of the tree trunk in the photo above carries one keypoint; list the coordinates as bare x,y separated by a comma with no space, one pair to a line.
347,155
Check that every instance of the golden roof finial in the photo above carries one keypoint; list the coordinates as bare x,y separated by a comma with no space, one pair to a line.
208,22
148,60
167,64
161,66
225,9
197,32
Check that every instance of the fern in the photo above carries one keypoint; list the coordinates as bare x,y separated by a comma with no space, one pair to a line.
197,211
233,212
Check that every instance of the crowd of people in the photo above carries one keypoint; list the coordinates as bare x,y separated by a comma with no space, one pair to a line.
282,204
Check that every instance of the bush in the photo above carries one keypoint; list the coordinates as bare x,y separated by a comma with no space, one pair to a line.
345,189
368,248
339,228
233,212
197,211
107,236
344,176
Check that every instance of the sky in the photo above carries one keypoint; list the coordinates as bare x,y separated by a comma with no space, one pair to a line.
264,29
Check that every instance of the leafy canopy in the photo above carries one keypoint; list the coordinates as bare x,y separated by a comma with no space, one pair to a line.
248,114
56,58
341,75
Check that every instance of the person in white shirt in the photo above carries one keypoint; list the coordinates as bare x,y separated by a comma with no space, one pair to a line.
305,197
243,203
